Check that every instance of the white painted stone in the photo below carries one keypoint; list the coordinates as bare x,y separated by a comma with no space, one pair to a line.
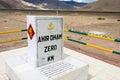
46,44
66,69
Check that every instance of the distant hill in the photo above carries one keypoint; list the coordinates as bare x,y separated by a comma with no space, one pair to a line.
102,5
10,4
35,1
77,4
40,4
51,4
17,4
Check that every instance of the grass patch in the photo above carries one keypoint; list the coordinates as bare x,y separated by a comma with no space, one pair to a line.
79,49
118,20
5,20
100,18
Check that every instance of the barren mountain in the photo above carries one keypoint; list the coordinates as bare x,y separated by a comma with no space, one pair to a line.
103,5
17,4
40,4
77,4
51,4
34,4
10,4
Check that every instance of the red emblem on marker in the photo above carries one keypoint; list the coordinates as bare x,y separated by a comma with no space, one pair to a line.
31,32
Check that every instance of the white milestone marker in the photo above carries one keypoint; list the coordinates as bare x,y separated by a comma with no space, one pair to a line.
45,39
45,61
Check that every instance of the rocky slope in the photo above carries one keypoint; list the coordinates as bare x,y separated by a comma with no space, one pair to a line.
103,5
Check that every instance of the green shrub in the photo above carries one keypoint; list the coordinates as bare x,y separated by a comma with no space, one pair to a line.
100,18
5,20
118,20
79,49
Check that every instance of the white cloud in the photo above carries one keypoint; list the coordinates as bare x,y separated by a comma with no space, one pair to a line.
79,0
74,0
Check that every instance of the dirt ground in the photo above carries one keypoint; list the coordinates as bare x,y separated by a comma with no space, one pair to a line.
84,22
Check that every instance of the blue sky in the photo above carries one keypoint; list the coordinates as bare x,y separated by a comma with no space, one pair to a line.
88,1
